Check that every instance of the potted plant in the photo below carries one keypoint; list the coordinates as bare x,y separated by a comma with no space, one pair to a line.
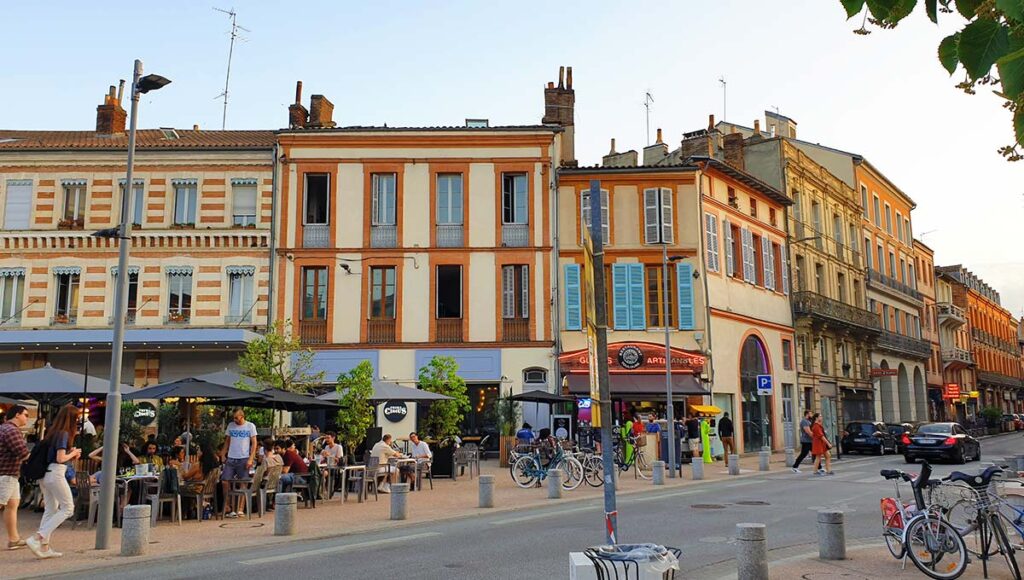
178,316
184,226
71,224
61,319
443,421
506,415
356,413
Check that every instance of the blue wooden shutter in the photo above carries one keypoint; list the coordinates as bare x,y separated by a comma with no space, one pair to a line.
620,296
637,318
573,312
684,287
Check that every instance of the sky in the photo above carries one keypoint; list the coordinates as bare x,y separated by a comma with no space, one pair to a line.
884,95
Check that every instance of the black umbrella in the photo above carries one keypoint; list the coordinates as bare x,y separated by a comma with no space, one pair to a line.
388,391
541,396
289,401
197,391
7,401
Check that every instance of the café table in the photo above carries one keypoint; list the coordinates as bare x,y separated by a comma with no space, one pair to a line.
124,483
347,472
397,463
332,474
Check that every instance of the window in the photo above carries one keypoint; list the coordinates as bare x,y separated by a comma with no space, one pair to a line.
515,292
801,273
777,255
816,220
74,202
823,354
657,300
384,200
243,207
899,227
12,291
314,293
449,292
771,217
867,252
837,231
133,292
317,199
886,324
878,218
513,198
628,297
787,354
888,219
535,375
574,298
881,260
897,319
841,284
658,216
749,265
845,357
185,201
753,207
819,279
906,230
179,303
136,204
18,206
732,238
903,271
912,277
856,293
66,297
864,200
784,261
585,209
733,200
449,199
240,293
382,292
767,264
798,213
711,240
892,265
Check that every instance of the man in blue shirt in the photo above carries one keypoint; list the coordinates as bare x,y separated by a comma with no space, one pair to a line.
652,424
525,435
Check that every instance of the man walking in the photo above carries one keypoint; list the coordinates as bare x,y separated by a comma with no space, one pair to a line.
239,453
13,452
693,435
725,433
805,440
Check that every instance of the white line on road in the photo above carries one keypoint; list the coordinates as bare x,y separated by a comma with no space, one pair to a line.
540,516
738,484
659,497
338,549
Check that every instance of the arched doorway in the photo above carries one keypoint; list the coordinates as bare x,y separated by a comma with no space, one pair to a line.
920,395
888,397
757,428
905,394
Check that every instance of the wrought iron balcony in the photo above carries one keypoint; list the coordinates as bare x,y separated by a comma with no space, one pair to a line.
449,236
905,345
951,356
998,379
380,330
815,305
384,236
950,314
515,235
448,330
880,280
515,329
316,236
313,331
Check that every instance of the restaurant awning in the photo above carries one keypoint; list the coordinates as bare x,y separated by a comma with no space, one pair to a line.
74,339
705,409
639,385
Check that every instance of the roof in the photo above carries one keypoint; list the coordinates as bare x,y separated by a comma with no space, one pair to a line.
746,179
437,128
679,167
15,140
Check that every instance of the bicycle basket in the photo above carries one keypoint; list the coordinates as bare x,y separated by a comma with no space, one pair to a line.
945,496
889,509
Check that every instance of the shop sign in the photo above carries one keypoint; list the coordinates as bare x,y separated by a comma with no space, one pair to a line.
951,391
145,414
395,411
877,372
631,357
975,394
639,357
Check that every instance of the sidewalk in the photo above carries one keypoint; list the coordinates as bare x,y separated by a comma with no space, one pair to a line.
448,500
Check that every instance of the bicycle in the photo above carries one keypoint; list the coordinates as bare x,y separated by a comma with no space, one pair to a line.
529,470
642,468
978,517
593,466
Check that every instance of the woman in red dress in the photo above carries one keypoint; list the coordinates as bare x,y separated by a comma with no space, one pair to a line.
820,446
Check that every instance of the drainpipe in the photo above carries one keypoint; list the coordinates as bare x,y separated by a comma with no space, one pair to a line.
555,308
273,240
704,283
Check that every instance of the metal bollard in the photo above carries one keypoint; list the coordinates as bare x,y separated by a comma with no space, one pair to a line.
698,469
734,465
399,501
285,505
764,459
486,491
831,535
790,457
751,552
555,484
658,473
135,530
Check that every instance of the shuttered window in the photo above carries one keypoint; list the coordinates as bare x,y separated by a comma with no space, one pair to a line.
768,263
684,289
658,215
628,297
573,307
749,266
605,215
244,203
711,240
657,300
785,270
515,292
18,206
730,257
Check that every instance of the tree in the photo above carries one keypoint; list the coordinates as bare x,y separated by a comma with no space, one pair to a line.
356,413
505,413
441,376
992,37
277,360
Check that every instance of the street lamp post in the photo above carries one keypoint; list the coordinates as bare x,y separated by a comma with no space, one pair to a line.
112,423
669,408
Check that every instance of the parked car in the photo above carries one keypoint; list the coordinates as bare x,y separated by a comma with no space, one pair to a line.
864,436
1020,421
940,441
897,430
1010,420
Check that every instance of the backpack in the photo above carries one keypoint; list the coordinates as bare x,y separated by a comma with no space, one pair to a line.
38,461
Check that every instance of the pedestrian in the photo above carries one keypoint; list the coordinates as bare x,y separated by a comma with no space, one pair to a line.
314,433
725,433
693,434
705,439
57,499
13,452
805,440
820,446
652,424
238,453
525,436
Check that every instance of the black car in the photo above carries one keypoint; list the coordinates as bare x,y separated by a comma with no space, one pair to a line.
940,441
897,430
864,436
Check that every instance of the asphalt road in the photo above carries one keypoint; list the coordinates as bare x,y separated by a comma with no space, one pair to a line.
535,543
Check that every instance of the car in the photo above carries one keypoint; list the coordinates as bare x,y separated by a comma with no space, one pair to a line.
866,436
1010,421
940,441
897,430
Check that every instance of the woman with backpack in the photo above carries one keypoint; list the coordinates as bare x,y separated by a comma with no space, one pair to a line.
57,497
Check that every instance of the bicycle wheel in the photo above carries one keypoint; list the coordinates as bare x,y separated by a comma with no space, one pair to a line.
524,471
572,473
892,532
593,471
936,548
642,466
1004,545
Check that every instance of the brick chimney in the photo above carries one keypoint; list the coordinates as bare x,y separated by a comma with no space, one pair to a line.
110,116
657,152
616,159
733,145
321,112
297,114
559,109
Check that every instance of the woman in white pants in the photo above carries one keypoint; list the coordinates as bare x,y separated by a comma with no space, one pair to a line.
56,492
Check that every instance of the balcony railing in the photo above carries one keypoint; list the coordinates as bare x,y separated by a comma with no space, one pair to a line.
64,319
313,331
129,318
998,379
448,330
316,235
515,235
950,313
879,279
957,355
449,236
515,329
384,236
815,305
380,330
905,345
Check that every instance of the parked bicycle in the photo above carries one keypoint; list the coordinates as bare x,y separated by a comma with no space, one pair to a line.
980,519
638,461
531,469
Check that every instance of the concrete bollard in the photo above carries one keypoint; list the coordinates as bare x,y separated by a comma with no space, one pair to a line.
734,465
764,459
399,501
135,530
285,505
831,535
486,491
658,474
697,466
790,457
751,552
555,484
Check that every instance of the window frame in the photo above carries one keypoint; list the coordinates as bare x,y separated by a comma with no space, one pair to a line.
510,198
585,219
305,198
664,213
378,307
673,301
378,193
321,278
191,201
80,191
246,219
246,295
69,294
12,294
176,285
437,292
515,291
443,183
711,241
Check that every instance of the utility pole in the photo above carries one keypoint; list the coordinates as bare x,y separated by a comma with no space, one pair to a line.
648,99
235,27
725,109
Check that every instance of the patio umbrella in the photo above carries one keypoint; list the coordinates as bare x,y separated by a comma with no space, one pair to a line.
289,401
196,391
388,391
541,396
47,383
7,401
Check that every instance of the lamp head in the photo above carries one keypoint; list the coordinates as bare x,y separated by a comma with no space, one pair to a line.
151,83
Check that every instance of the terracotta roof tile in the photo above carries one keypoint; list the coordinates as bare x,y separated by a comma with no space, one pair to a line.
13,140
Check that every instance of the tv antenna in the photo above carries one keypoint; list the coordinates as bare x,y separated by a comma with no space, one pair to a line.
648,99
235,27
725,110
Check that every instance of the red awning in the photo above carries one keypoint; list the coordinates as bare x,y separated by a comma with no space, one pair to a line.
640,385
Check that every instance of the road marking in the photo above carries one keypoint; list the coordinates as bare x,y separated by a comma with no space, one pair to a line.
738,484
658,497
540,516
338,549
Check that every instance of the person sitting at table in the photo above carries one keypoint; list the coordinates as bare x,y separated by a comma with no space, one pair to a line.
525,435
271,457
383,451
293,466
266,444
125,459
150,456
420,451
195,476
332,449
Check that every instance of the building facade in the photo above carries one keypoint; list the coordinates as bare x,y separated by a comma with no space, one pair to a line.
958,366
200,257
924,270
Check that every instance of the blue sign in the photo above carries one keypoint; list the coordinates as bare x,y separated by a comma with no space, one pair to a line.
764,384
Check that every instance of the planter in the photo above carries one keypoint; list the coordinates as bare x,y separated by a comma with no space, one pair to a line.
443,463
505,444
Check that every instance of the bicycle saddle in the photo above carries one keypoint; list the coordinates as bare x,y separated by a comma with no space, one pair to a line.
980,480
896,474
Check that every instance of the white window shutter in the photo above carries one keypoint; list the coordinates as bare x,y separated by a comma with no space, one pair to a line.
666,216
769,278
785,270
651,216
525,305
711,240
748,256
606,226
18,207
584,213
508,292
730,259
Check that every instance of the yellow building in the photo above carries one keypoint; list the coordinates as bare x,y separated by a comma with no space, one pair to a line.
958,366
924,270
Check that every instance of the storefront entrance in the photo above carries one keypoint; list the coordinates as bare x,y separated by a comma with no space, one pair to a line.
757,427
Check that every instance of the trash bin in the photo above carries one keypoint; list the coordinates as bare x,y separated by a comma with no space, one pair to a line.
682,451
613,562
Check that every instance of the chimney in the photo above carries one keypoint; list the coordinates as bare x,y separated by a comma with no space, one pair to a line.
559,108
657,152
110,116
616,159
779,125
297,114
757,127
321,112
711,122
733,145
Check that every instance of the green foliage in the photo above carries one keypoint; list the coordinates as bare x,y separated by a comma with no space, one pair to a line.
131,431
991,415
989,47
277,360
356,413
441,376
169,424
505,414
210,430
